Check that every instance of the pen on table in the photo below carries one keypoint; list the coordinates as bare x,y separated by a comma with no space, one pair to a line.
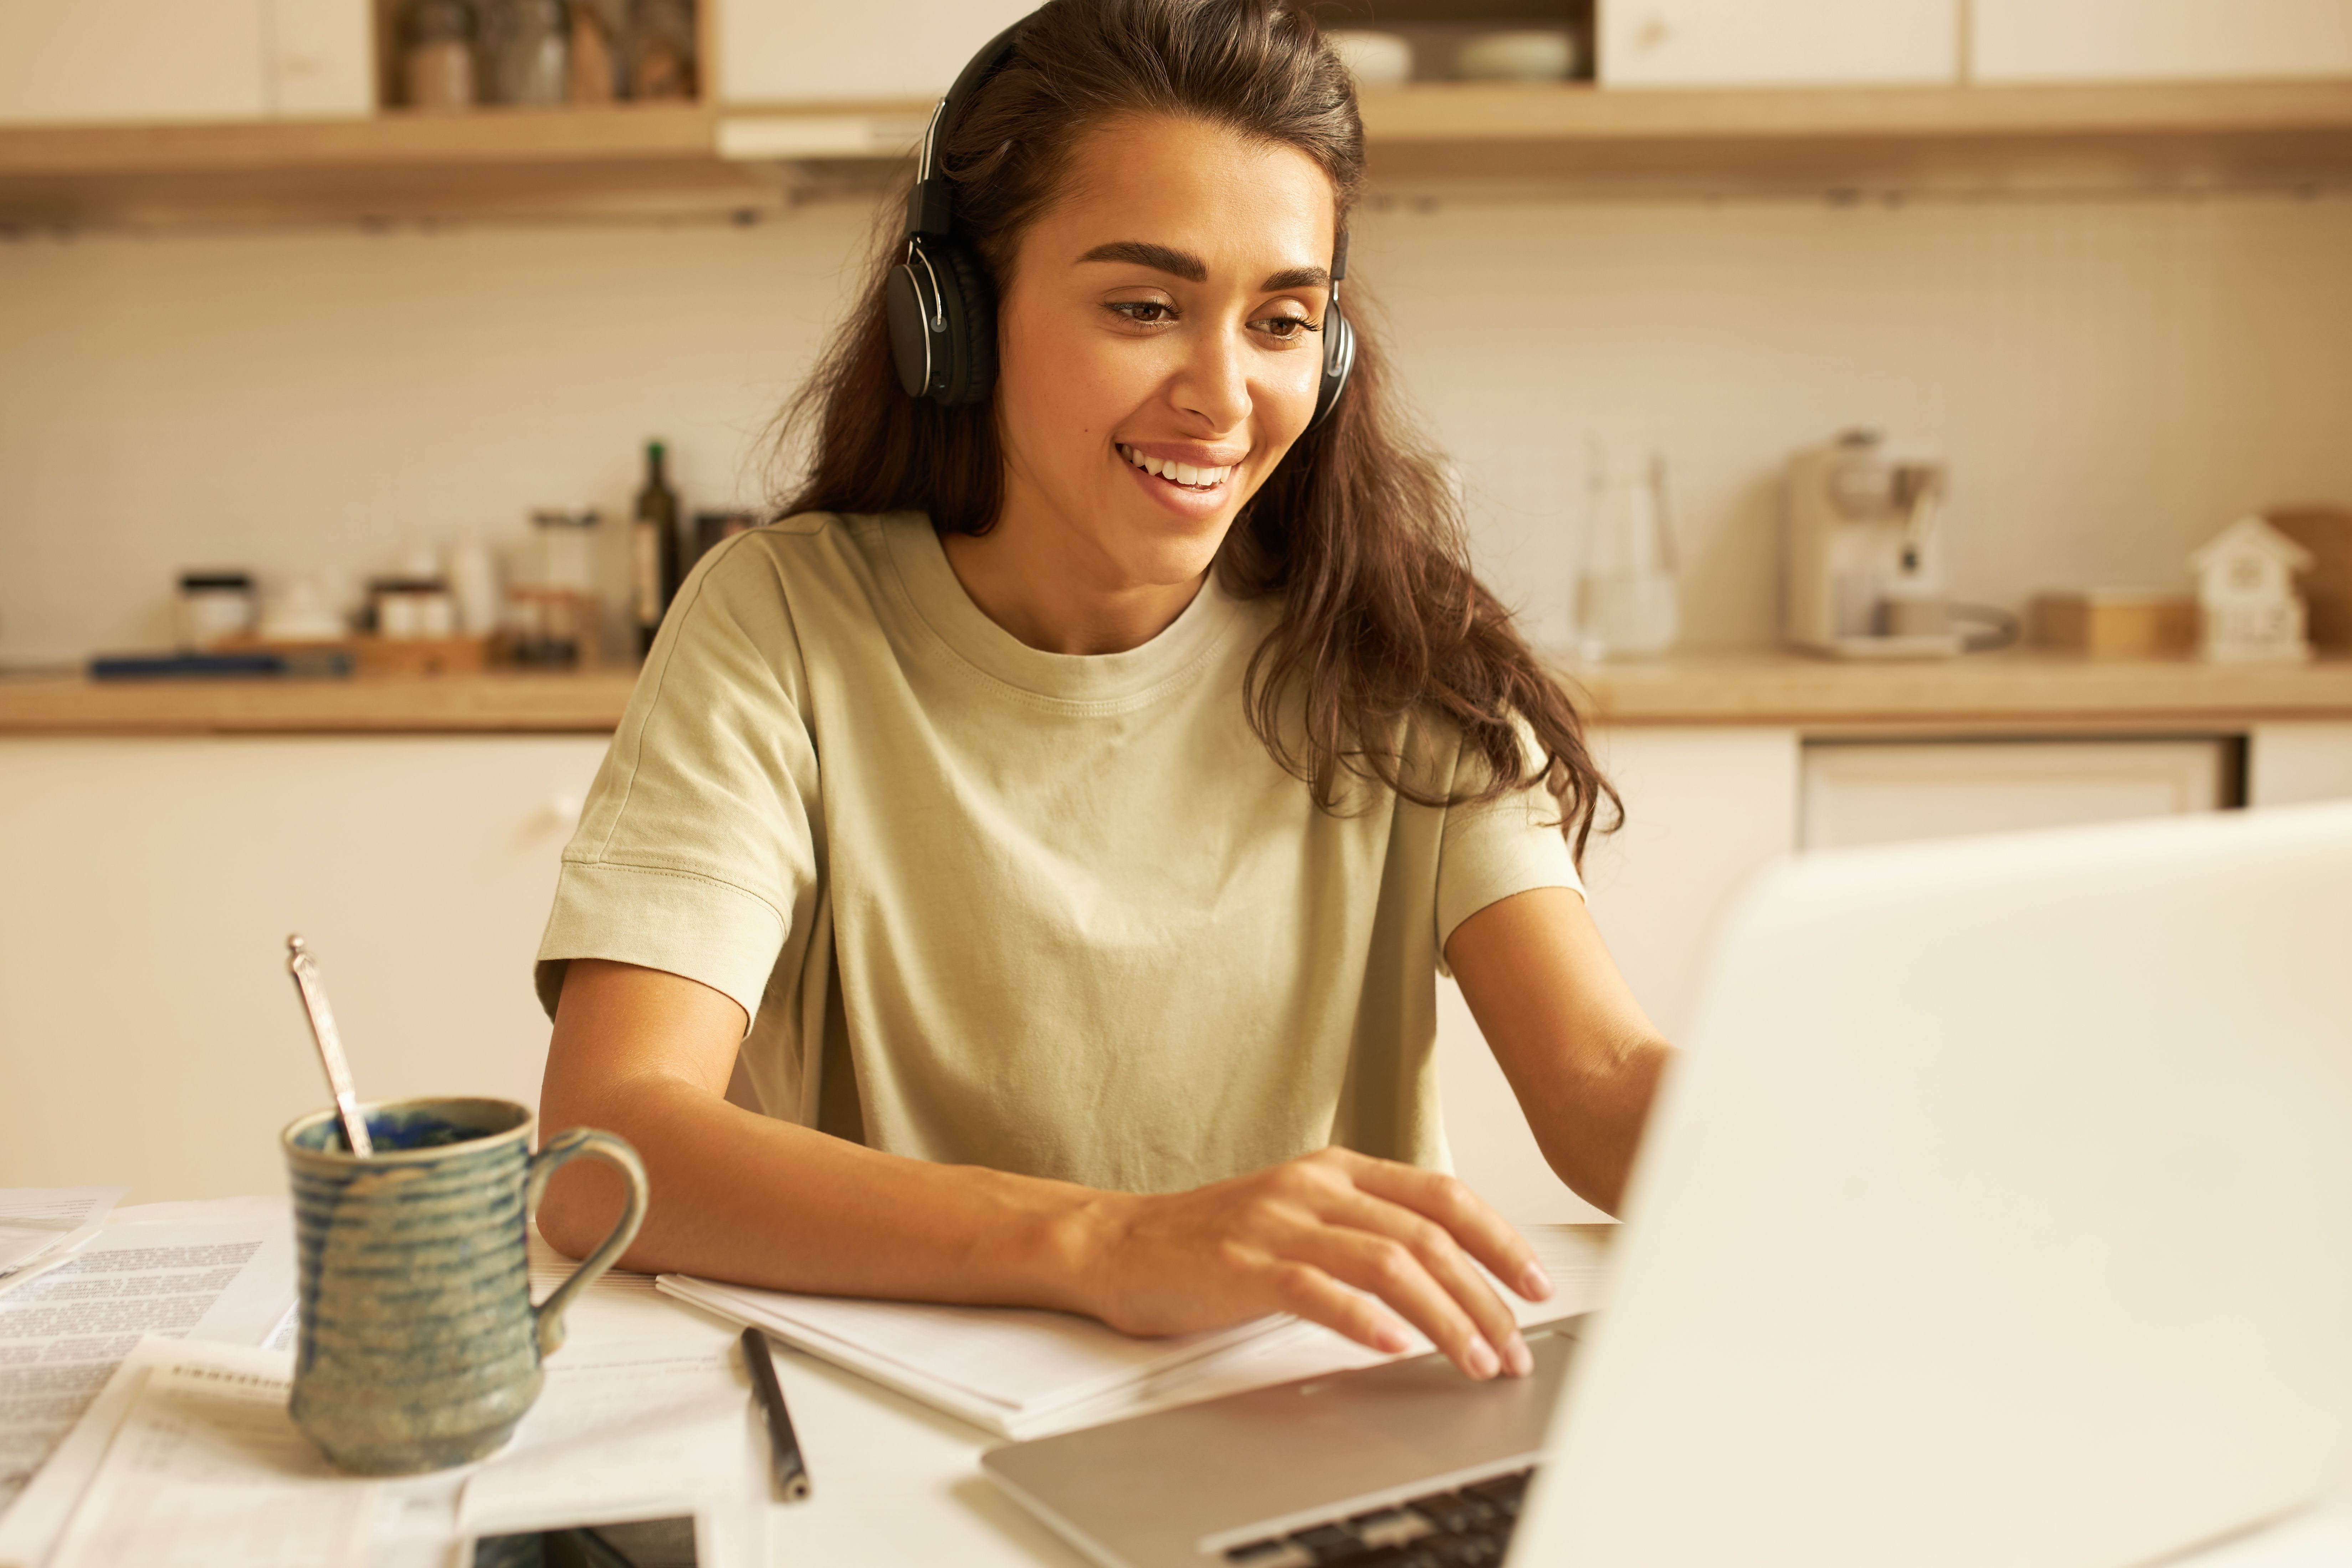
783,1446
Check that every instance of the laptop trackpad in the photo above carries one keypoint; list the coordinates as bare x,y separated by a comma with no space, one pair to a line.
1154,1490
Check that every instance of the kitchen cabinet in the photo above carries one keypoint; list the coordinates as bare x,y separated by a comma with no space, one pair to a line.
2298,764
781,51
146,62
1710,807
1707,807
2157,41
1809,43
149,1032
1856,794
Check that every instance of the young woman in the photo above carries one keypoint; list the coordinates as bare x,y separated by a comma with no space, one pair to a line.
1064,812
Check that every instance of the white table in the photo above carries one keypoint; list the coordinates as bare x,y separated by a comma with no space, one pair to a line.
896,1482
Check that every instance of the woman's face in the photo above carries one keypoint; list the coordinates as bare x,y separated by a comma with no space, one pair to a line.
1159,344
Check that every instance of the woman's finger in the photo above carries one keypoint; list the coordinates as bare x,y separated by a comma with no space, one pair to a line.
1448,1200
1306,1292
1447,1264
1388,1268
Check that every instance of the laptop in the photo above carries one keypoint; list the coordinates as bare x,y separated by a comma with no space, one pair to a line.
1999,1212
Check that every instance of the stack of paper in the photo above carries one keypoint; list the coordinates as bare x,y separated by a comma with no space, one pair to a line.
46,1225
224,1273
190,1457
1026,1373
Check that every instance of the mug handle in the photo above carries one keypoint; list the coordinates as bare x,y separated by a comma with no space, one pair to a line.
614,1151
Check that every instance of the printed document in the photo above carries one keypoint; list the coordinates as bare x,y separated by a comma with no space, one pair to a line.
61,1334
48,1222
208,1467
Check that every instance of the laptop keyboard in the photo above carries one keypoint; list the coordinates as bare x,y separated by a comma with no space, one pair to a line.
1464,1528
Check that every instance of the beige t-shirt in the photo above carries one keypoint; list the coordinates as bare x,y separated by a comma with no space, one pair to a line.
1051,914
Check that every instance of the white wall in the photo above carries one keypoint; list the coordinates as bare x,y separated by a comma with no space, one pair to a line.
2112,379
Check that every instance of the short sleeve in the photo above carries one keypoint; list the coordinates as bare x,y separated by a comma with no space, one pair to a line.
1493,849
696,852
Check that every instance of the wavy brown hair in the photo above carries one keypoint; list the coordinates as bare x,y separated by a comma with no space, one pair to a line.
1356,530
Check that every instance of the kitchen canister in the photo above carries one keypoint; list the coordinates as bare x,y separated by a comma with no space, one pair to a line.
419,1346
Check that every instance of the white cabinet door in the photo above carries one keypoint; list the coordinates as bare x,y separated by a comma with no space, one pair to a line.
65,60
148,1034
132,61
2295,764
802,51
1736,43
321,60
2089,40
1706,808
1896,792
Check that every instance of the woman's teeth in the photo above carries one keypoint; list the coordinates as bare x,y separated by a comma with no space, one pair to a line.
1184,474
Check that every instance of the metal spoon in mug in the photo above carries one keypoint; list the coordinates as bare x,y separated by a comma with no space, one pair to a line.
313,991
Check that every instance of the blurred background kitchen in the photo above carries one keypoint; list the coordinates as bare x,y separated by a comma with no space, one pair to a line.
1902,417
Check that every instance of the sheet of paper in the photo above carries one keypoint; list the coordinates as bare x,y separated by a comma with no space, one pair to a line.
628,1429
208,1467
1015,1359
550,1269
62,1334
35,1222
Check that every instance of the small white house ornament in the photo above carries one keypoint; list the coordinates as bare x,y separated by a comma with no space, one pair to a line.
2246,590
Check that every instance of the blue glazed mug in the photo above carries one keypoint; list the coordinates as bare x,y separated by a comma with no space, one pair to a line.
420,1348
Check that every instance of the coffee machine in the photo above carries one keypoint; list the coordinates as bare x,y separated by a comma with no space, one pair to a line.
1862,574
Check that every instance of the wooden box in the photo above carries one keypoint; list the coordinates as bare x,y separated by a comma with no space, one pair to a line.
2327,532
2115,623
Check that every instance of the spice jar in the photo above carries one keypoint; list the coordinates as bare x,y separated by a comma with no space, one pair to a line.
527,50
436,61
211,608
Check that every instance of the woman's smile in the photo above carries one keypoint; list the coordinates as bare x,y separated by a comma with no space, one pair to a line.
1188,478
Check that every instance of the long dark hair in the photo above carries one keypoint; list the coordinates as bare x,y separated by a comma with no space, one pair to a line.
1356,530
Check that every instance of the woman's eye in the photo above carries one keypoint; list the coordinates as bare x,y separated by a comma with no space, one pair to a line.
1145,312
1288,327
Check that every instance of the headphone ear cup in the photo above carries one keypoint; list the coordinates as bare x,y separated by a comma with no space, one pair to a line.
970,302
911,349
1339,359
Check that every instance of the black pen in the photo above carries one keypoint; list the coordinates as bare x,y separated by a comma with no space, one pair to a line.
783,1446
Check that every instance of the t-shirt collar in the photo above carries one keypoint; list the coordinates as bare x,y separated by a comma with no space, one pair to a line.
938,595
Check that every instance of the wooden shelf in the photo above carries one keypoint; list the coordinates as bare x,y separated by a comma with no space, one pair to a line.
655,159
622,161
2136,135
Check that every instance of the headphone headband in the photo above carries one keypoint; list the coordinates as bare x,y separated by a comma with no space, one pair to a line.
930,205
940,306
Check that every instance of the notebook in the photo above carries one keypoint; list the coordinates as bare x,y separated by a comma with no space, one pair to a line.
1022,1372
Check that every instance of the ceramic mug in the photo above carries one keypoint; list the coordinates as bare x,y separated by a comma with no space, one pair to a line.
420,1348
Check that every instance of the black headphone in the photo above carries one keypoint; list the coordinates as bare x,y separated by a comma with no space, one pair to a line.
943,307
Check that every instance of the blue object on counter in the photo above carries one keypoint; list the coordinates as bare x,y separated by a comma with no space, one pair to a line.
217,666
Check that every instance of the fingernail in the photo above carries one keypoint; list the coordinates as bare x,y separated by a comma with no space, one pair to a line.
1482,1359
1393,1340
1518,1357
1535,1284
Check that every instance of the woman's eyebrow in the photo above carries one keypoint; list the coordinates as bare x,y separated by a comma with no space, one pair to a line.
1192,269
1297,277
1159,257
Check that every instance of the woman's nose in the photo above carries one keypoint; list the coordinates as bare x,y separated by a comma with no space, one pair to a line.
1213,384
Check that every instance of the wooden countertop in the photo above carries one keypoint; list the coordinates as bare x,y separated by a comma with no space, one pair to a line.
2028,690
2025,691
503,703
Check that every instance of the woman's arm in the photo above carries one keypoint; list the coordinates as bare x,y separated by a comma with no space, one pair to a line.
1580,1054
742,1196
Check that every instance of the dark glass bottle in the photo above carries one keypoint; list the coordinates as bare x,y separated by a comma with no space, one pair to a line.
653,550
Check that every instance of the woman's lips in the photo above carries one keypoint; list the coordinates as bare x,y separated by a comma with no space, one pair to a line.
1199,478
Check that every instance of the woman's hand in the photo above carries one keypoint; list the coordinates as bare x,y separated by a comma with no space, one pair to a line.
1291,1237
